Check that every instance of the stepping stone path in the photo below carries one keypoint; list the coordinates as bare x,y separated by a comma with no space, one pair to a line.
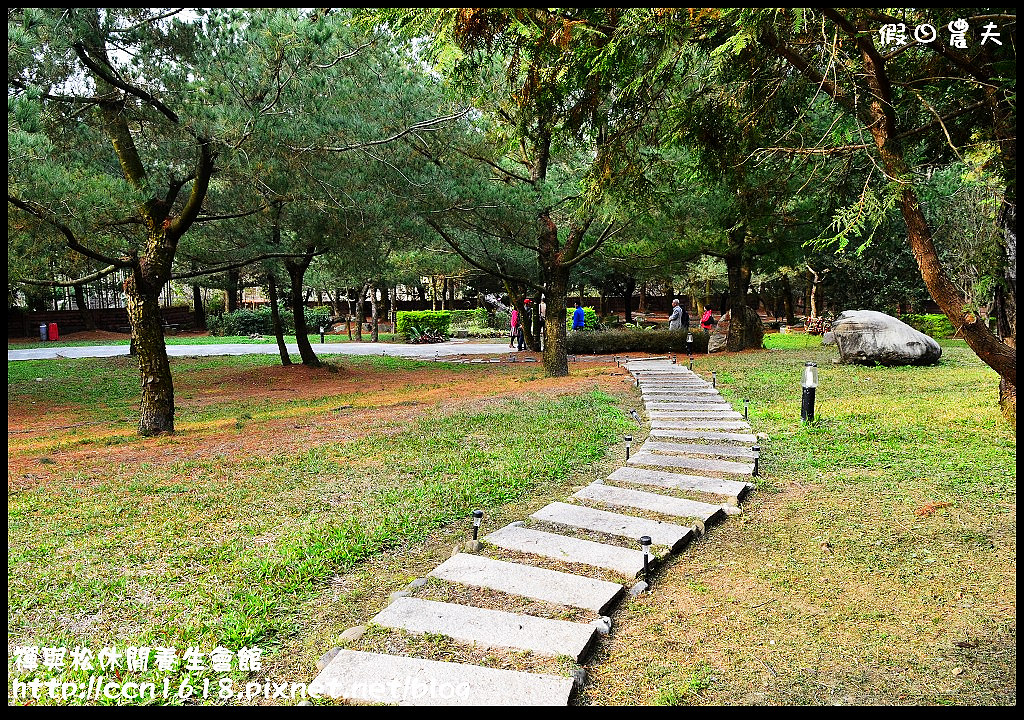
696,438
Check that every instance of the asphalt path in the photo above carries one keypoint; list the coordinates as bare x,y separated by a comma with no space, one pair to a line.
422,352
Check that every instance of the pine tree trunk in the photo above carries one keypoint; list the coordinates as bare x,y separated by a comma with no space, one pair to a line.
83,308
198,309
275,316
231,293
556,360
373,313
361,311
296,273
156,409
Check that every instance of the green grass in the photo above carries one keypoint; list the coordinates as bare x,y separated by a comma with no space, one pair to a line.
215,548
875,563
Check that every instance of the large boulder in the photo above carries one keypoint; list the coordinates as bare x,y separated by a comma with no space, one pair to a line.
731,334
868,337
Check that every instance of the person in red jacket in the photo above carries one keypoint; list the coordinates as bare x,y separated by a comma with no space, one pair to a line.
707,320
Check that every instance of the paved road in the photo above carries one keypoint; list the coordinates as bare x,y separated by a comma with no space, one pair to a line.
431,351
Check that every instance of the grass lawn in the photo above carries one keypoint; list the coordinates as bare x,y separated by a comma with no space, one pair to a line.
287,506
874,564
193,339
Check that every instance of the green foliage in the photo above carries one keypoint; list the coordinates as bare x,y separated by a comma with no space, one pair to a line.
937,326
260,321
468,318
605,342
436,321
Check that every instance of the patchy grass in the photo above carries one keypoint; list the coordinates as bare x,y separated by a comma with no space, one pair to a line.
284,523
874,564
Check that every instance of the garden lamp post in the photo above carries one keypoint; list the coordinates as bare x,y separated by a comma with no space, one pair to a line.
746,407
477,517
629,441
714,378
809,383
645,543
321,334
757,460
691,362
689,343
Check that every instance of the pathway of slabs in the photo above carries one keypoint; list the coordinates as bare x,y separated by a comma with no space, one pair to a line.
692,472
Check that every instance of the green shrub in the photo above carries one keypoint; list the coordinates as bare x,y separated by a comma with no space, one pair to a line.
438,321
590,320
610,342
316,318
937,326
467,318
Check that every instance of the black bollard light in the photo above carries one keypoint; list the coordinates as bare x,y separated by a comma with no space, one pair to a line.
629,441
746,406
691,362
809,383
757,460
321,336
477,517
636,417
689,343
638,381
714,378
675,359
645,543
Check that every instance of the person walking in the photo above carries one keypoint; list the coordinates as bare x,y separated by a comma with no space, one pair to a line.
675,320
578,316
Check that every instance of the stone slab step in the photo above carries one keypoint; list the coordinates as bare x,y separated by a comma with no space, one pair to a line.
622,497
664,413
690,463
559,547
694,392
663,423
703,435
488,628
661,533
527,581
659,478
365,677
677,448
708,405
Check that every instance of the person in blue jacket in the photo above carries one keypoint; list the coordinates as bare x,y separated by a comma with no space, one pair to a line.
577,317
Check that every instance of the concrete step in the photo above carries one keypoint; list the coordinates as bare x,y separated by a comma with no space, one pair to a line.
659,478
661,412
364,677
528,581
627,526
681,448
688,463
622,497
488,628
703,435
559,547
708,405
667,423
695,392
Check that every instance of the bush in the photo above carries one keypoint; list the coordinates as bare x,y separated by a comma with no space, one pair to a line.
316,318
243,322
469,318
436,321
937,326
590,320
611,342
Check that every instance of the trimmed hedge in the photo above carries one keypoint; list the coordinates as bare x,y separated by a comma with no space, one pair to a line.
467,318
935,325
605,342
261,321
438,321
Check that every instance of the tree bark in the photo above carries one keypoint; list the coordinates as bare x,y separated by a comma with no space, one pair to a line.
743,330
296,273
787,300
373,313
361,310
275,316
198,309
83,308
231,293
629,287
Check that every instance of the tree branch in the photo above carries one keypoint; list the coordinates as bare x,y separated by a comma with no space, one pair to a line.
204,169
495,272
118,83
71,283
38,211
242,263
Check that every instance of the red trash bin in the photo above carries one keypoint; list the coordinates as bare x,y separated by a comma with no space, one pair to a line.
53,332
